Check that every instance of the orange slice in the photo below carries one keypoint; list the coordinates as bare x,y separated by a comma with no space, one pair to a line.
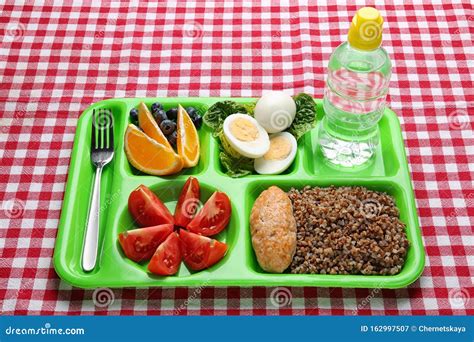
148,156
187,143
147,122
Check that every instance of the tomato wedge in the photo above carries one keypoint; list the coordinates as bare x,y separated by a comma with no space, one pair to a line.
140,244
188,202
147,209
213,217
167,257
200,252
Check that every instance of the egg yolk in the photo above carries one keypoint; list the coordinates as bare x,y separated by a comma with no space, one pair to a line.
280,148
243,129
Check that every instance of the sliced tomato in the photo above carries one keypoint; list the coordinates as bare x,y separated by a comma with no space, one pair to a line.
213,217
147,209
188,202
200,252
140,244
167,257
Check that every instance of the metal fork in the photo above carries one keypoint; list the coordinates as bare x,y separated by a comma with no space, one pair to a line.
102,152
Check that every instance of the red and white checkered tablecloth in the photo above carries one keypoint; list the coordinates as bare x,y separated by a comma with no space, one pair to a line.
55,60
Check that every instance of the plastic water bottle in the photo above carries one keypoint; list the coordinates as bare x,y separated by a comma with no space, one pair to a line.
354,97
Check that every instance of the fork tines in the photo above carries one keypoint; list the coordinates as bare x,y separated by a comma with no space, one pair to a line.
102,135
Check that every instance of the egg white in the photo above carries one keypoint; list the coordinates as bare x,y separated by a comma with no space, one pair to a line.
274,167
250,149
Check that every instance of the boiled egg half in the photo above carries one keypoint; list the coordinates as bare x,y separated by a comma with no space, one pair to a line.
246,136
280,155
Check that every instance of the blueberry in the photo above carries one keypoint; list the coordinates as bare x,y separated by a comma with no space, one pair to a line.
197,121
172,138
167,127
134,115
156,107
172,114
160,116
192,112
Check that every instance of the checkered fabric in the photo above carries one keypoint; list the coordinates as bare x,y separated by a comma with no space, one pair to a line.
57,59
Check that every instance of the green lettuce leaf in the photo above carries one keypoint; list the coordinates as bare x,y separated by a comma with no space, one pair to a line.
305,118
218,112
234,163
236,167
225,146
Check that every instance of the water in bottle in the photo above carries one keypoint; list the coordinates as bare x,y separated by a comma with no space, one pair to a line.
358,76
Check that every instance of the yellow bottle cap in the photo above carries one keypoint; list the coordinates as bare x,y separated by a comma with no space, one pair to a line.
365,32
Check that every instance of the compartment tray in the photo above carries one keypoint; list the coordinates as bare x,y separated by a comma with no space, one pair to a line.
388,172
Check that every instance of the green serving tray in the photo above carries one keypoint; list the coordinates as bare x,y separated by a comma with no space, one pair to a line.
388,172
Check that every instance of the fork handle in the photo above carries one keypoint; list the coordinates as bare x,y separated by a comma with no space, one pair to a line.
89,252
